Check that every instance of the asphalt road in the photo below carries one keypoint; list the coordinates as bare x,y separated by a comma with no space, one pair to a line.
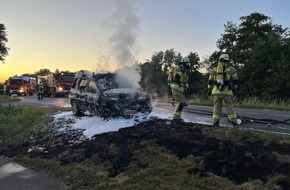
254,119
46,102
261,120
14,176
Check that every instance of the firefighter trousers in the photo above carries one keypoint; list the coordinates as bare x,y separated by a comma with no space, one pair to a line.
179,99
218,104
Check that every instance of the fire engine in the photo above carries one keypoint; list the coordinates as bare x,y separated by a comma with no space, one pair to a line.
22,85
57,84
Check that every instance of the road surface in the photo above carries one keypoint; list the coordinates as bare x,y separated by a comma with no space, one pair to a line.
262,120
192,113
33,101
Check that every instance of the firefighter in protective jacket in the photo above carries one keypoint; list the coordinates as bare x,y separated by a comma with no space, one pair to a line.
223,80
171,72
179,86
40,90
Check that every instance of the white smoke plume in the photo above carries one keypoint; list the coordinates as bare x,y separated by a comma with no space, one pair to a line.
122,29
117,54
129,76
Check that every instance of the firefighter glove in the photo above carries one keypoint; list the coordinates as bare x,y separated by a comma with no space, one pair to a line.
186,89
209,92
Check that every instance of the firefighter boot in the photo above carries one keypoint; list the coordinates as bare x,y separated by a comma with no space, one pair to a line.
176,121
172,102
216,124
235,124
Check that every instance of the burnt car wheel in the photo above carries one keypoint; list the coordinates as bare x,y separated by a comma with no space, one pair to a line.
75,108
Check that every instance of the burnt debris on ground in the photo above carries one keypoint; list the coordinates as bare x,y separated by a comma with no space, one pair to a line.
238,161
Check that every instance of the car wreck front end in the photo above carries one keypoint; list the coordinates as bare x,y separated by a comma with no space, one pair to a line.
124,102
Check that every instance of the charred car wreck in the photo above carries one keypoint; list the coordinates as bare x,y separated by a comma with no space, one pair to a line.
103,96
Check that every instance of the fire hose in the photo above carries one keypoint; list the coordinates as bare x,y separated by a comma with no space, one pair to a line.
244,119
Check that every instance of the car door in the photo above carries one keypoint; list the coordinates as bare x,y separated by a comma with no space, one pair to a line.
73,89
92,95
81,95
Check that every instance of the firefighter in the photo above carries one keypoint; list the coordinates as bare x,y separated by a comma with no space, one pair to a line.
179,86
40,90
223,80
170,73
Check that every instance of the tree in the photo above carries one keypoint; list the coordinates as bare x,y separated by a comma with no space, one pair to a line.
284,68
43,72
259,50
153,79
194,61
154,73
195,81
229,40
170,57
3,40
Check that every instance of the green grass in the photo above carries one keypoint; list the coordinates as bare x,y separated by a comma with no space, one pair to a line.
6,98
73,176
18,122
153,166
256,103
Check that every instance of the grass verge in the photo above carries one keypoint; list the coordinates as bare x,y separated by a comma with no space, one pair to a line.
169,158
154,155
18,122
5,98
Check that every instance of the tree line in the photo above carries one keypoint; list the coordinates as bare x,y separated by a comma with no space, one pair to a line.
259,49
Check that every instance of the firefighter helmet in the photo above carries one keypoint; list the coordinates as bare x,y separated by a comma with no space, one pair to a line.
184,63
184,60
224,58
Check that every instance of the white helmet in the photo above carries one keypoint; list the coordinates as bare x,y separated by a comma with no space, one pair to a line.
224,57
184,59
185,62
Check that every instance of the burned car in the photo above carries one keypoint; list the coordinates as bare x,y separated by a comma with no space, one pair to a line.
102,95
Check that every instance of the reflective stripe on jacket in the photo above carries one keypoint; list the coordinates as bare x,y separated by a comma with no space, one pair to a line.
40,88
182,84
171,72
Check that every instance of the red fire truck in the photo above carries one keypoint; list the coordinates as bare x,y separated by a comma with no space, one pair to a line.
57,84
22,85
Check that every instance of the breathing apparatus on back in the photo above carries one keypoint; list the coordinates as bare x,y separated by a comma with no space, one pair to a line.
221,77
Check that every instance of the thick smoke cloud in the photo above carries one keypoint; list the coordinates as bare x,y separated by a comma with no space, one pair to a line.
121,31
124,37
129,76
117,54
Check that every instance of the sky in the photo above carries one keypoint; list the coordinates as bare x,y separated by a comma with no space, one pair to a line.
105,35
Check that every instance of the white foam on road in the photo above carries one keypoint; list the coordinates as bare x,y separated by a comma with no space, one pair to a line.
92,125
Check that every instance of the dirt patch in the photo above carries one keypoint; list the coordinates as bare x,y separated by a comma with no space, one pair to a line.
238,161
